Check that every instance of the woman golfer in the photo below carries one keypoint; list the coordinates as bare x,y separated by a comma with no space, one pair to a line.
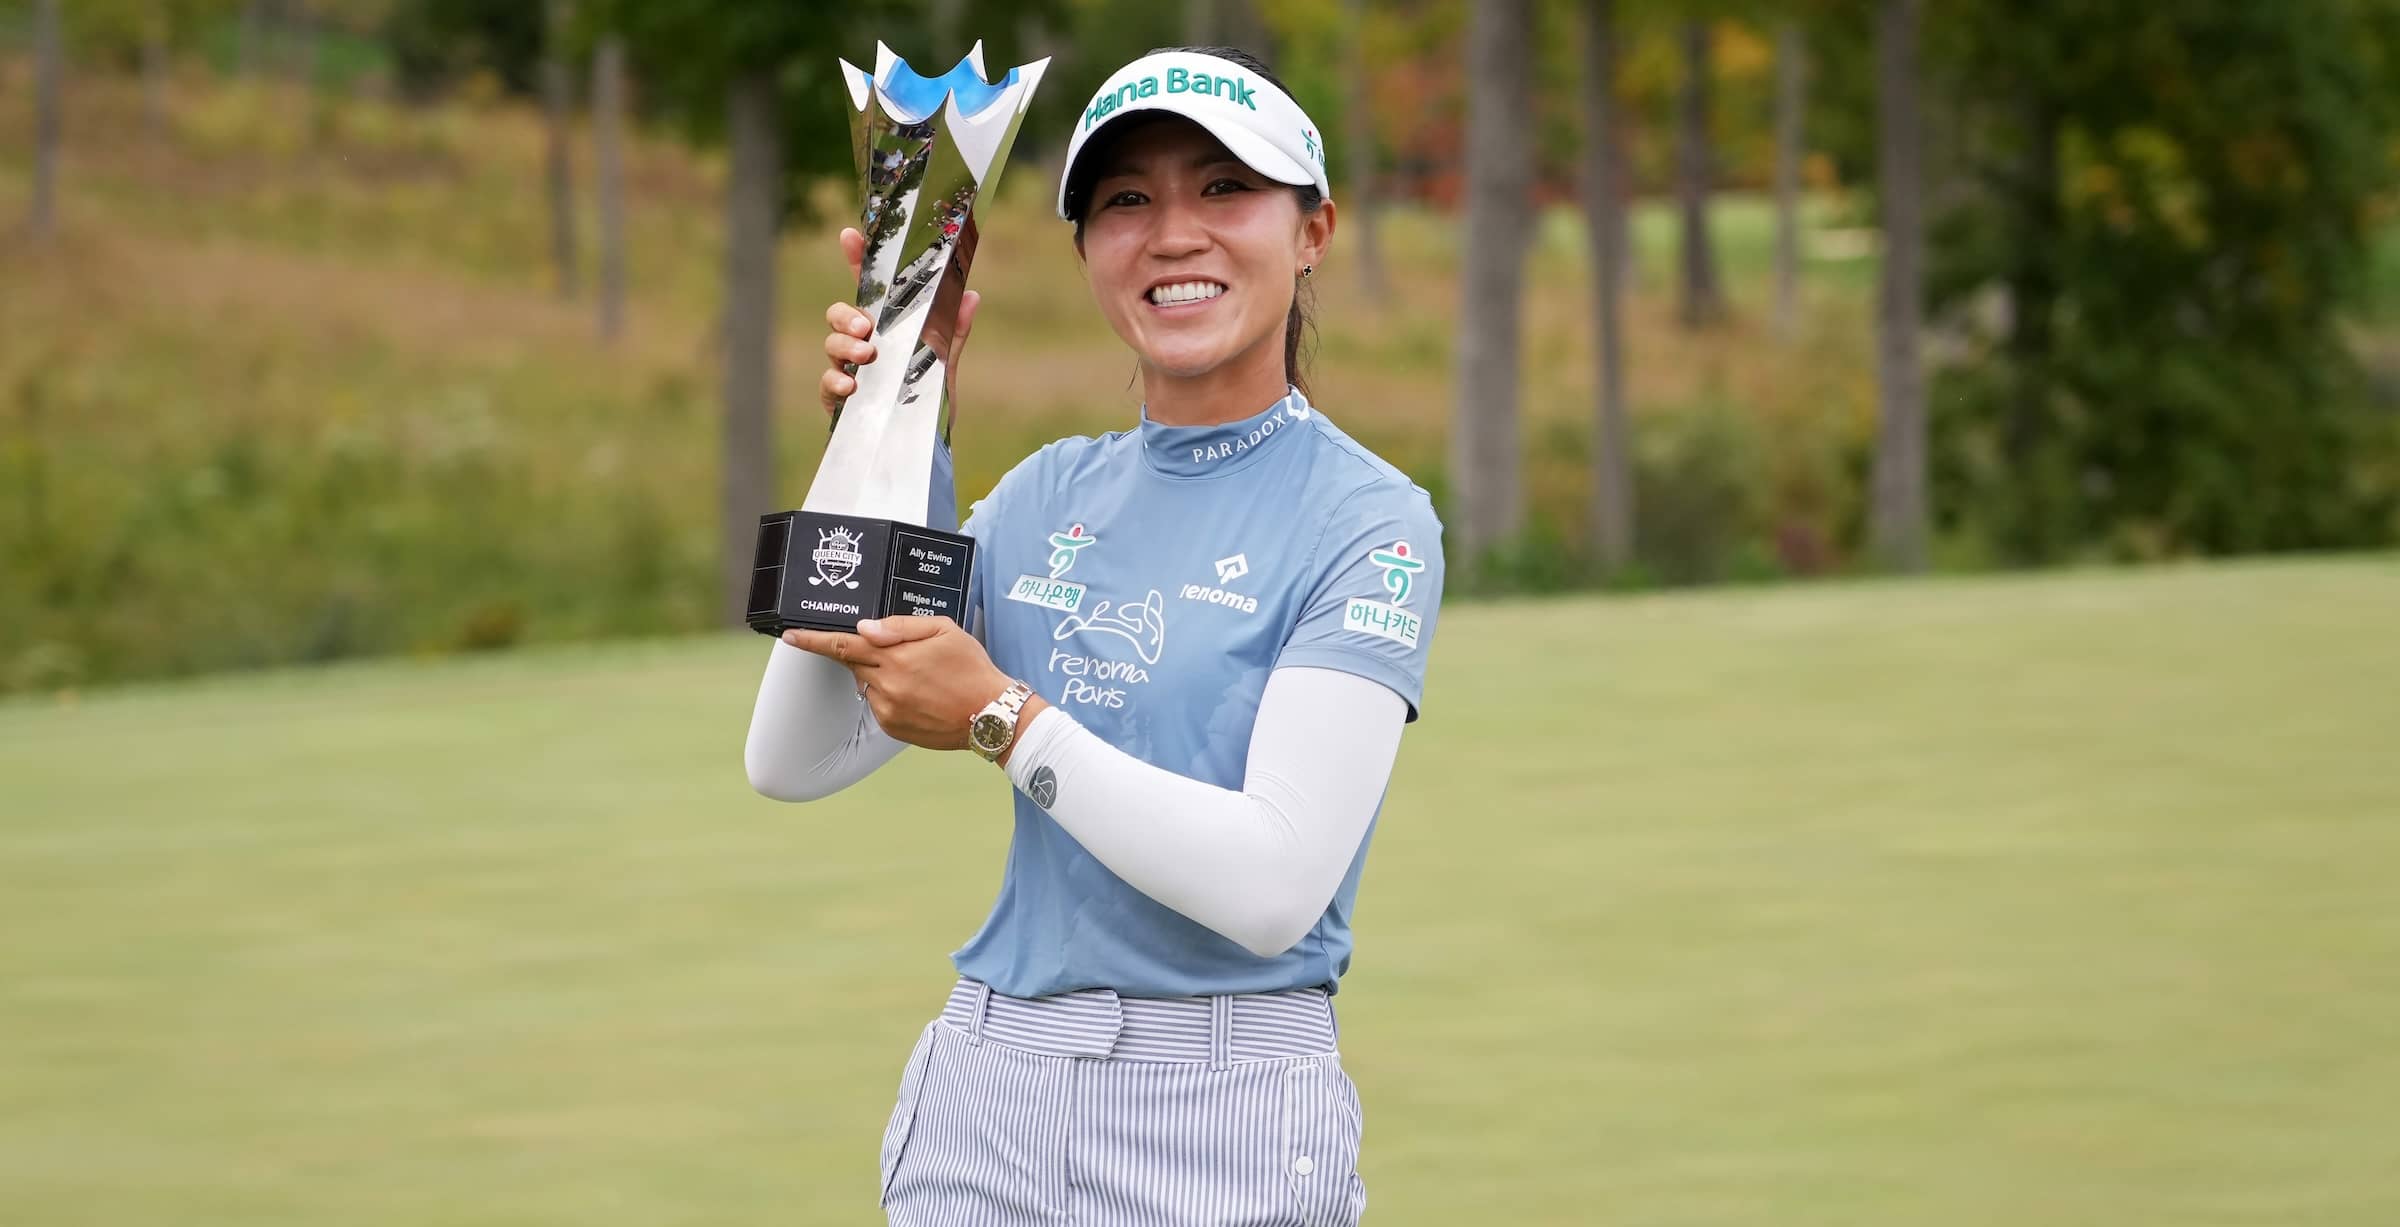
1194,645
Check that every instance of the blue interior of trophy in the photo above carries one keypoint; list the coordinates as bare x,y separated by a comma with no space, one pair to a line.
915,96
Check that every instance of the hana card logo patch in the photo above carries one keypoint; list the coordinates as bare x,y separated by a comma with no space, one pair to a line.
1399,567
1382,621
1387,620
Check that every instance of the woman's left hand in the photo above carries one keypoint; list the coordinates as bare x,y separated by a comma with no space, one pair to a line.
924,678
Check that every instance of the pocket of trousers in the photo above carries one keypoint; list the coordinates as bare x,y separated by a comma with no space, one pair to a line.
1321,1132
904,1110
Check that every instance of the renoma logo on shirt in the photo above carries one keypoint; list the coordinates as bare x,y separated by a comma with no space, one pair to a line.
1178,81
1228,570
1052,592
1388,620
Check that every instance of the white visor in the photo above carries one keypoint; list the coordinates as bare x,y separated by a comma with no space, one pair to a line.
1254,120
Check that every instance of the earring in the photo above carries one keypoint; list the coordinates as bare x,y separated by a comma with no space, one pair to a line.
1306,269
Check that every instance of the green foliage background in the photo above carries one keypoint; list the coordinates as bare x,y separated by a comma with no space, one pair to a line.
292,385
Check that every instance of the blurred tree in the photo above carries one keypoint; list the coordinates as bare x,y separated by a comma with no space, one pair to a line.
49,67
754,208
1700,292
435,43
1201,27
1899,495
299,22
608,183
558,126
1488,501
143,36
156,64
251,46
1603,210
2166,212
1791,89
1358,136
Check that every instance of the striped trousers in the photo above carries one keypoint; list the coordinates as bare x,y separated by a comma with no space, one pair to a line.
1091,1110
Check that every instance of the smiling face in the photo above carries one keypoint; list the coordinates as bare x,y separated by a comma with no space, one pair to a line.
1194,257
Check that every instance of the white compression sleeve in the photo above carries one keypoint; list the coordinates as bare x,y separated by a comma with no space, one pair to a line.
811,736
1258,865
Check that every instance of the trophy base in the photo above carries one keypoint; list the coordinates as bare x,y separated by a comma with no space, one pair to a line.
825,572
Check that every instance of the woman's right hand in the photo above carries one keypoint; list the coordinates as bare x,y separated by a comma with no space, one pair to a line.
850,345
846,347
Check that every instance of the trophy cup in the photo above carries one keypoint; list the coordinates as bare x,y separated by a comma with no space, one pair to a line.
858,546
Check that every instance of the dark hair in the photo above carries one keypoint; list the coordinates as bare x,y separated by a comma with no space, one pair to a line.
1300,326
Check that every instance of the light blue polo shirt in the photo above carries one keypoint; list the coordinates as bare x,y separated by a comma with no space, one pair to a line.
1146,582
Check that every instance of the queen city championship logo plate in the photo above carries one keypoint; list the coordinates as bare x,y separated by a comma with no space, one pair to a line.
837,558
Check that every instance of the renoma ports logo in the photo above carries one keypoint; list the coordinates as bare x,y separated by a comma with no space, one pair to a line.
837,558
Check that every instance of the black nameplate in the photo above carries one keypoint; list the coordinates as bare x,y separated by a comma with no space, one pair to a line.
824,571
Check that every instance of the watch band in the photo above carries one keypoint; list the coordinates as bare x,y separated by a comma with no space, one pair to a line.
1002,711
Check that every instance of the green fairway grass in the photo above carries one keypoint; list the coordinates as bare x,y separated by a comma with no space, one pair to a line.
2057,900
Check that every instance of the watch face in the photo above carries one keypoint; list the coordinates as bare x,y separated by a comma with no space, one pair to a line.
989,733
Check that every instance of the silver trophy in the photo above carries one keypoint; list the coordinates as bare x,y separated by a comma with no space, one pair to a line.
859,546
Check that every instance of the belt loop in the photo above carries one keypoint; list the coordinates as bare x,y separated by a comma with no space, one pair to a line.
1220,1031
975,1012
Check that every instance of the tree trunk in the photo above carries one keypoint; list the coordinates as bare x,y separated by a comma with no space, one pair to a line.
156,64
949,40
1483,442
1043,159
1200,23
558,121
299,24
1360,138
1791,94
252,47
48,68
1620,227
1899,514
2033,291
608,161
1612,467
297,20
1703,298
753,211
1244,26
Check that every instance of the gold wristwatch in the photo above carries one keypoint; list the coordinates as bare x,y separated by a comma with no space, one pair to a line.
994,729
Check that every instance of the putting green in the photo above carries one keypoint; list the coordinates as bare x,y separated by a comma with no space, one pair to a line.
2065,899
